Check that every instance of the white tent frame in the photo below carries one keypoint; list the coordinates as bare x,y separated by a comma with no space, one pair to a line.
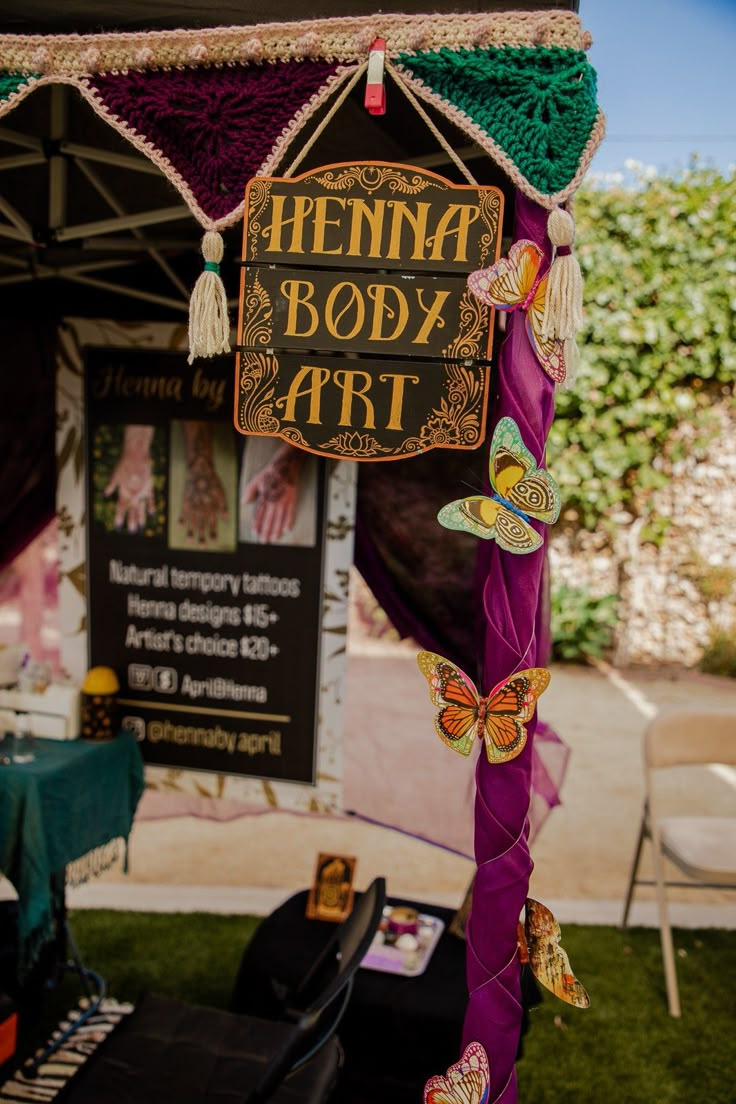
57,156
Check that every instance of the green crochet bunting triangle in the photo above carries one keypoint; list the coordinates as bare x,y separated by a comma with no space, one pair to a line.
10,83
537,104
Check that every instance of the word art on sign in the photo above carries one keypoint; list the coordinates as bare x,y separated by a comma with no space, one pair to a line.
358,337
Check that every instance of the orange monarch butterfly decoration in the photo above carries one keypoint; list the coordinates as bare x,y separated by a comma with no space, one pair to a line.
539,942
467,1082
514,283
464,714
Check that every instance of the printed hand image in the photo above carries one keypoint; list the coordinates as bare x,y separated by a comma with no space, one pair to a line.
202,488
278,494
128,474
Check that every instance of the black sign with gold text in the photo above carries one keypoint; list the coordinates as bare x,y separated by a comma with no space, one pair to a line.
358,337
203,595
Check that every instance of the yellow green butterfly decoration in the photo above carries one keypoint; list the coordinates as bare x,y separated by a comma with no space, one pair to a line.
521,491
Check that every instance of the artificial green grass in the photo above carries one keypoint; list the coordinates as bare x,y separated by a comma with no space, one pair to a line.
624,1049
193,956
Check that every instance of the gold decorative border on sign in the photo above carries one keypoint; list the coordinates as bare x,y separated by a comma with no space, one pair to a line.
490,211
373,177
456,423
355,446
258,372
259,189
258,313
471,340
294,436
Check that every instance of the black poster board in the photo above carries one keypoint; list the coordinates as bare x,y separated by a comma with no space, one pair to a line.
213,633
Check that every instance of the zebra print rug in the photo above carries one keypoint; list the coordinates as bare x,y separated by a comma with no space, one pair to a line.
62,1065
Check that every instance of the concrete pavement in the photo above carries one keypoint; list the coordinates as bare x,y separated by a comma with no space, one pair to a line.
581,856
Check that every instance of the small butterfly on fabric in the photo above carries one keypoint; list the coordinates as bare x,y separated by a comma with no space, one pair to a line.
467,1082
521,491
514,283
464,715
539,941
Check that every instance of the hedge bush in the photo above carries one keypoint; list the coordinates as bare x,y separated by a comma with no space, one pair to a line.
658,345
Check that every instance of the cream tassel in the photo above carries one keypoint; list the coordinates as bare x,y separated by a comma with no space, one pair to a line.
209,326
572,358
563,305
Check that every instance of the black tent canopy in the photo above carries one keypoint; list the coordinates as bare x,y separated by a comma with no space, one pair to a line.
96,229
84,17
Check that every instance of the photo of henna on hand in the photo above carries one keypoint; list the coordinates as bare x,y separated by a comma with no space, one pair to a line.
129,477
278,494
202,486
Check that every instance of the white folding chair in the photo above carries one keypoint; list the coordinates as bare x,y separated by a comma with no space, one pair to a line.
701,847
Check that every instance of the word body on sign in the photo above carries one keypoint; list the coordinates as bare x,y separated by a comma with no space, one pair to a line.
358,336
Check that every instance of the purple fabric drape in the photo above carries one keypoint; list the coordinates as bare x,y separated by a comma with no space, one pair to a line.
515,638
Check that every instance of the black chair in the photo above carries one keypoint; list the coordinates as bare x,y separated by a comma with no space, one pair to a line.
170,1052
397,1031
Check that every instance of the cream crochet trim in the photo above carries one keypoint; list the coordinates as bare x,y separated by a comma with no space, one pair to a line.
345,40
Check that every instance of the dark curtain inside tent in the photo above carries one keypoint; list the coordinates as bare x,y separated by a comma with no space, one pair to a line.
27,471
423,578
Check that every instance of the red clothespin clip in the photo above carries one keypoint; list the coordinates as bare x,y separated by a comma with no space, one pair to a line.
375,89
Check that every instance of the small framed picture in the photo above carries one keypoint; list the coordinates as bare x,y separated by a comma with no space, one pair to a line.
331,895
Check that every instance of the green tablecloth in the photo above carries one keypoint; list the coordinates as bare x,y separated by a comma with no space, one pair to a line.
73,798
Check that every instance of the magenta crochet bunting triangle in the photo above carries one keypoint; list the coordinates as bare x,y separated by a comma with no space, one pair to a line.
215,126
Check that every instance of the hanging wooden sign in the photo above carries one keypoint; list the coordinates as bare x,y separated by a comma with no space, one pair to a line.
358,337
